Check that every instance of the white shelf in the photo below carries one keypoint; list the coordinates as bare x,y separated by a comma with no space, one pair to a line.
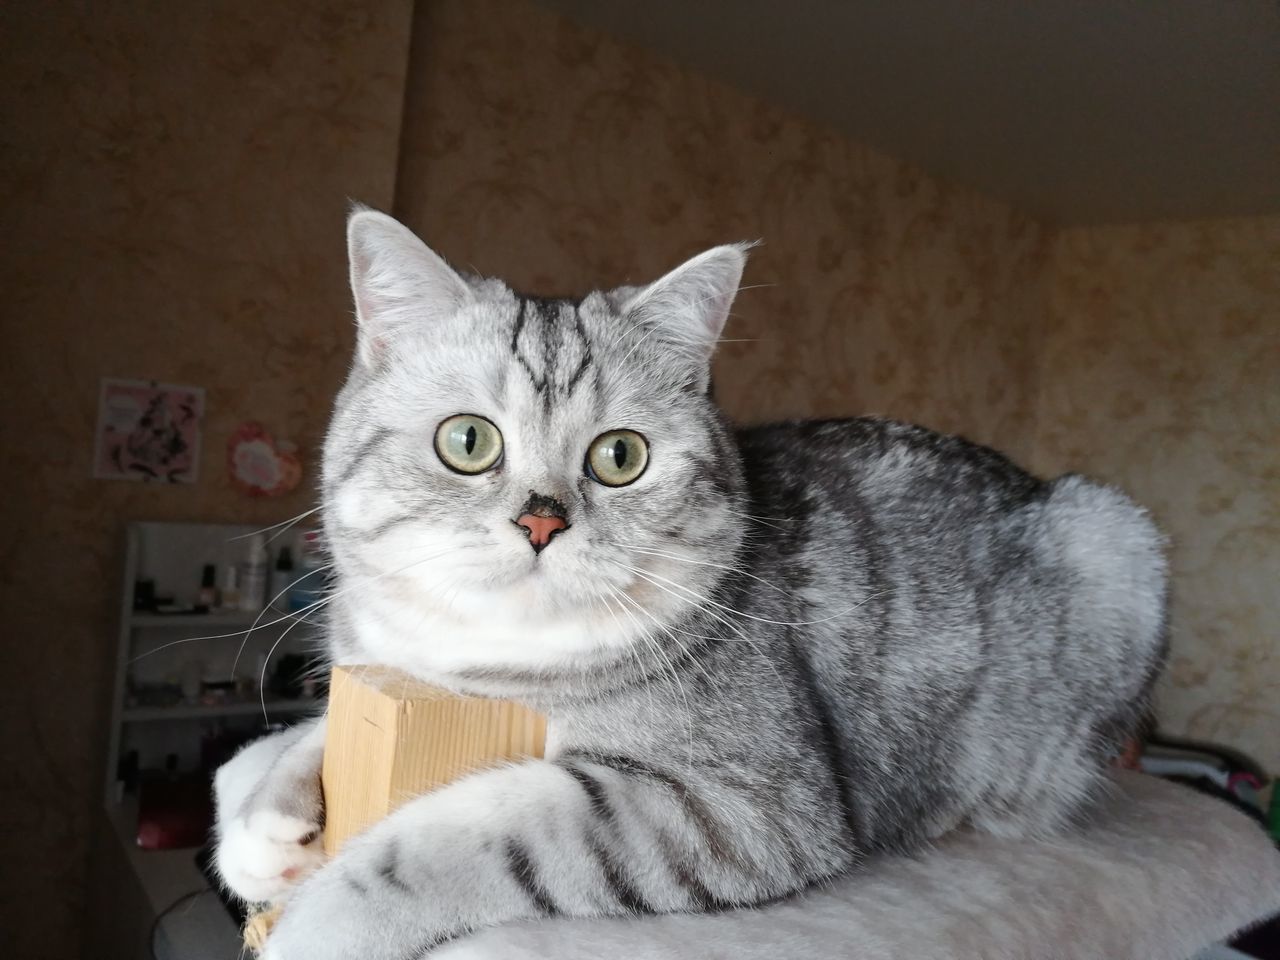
198,711
156,650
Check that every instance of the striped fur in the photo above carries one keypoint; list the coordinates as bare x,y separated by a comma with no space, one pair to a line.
779,651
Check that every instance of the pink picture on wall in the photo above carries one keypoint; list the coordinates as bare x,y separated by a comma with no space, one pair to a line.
148,431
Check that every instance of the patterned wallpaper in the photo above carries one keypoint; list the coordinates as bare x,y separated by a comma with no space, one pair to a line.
550,155
180,180
1160,371
176,183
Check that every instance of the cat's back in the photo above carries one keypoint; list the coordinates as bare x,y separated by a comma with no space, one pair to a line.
875,490
950,598
898,473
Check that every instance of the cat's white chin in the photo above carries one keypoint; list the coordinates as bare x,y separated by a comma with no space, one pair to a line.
520,625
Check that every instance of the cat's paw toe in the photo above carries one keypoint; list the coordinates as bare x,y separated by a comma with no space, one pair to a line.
262,856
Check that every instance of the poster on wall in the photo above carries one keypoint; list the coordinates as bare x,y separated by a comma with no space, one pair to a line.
148,431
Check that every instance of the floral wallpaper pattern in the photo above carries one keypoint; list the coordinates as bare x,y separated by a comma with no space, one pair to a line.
179,179
1160,371
176,184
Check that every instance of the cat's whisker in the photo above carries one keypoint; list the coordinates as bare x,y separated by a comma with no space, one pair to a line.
752,616
685,341
750,516
675,676
731,569
286,618
714,614
762,521
635,655
254,626
737,570
286,524
746,286
636,346
262,680
295,615
685,651
742,638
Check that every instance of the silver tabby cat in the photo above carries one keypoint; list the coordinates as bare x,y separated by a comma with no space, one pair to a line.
766,654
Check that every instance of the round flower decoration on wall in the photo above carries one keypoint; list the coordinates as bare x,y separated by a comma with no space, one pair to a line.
259,465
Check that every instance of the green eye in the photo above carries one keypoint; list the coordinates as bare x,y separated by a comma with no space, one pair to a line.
468,444
617,458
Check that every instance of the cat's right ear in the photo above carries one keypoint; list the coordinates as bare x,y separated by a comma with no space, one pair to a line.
397,281
687,308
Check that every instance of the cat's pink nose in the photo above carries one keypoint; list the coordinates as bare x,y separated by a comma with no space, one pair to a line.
540,529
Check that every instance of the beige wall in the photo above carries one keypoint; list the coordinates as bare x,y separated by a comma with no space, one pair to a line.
1160,371
557,158
176,181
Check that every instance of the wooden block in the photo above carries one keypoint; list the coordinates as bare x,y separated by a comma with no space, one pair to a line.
391,738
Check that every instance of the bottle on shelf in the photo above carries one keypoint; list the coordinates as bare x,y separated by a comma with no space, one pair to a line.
281,579
309,578
207,598
253,580
230,587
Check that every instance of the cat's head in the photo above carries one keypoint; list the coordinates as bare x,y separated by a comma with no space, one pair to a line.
528,480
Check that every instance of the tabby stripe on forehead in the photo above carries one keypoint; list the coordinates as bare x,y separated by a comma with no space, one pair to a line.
548,315
522,314
585,362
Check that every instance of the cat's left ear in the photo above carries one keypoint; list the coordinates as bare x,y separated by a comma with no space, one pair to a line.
688,307
397,281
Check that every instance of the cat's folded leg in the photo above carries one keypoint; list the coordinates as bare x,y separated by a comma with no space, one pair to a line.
270,813
540,839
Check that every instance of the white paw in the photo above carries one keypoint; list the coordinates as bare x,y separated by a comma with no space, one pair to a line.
263,856
239,777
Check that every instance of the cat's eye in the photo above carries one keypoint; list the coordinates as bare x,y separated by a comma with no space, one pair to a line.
617,458
468,444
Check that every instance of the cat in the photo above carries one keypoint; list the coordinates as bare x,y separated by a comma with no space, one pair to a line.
766,654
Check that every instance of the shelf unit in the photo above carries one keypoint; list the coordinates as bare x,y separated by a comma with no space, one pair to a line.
131,887
153,647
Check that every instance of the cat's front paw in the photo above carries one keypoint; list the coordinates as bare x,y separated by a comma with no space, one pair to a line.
262,856
270,815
